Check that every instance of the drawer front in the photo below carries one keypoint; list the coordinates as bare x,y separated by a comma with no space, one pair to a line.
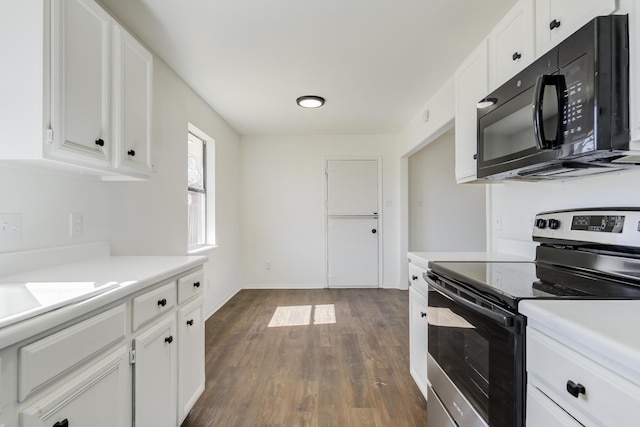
45,360
153,303
417,280
190,285
543,412
607,397
93,398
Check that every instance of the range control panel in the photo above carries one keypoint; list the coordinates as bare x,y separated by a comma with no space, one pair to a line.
620,226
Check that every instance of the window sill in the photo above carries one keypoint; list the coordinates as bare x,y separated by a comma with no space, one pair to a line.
200,249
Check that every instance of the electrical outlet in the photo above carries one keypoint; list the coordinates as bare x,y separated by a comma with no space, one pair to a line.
75,224
268,265
10,225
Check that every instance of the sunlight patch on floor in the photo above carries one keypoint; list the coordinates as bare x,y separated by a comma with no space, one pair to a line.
300,315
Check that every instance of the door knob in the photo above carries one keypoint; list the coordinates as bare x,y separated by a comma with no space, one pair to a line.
169,339
414,277
554,24
190,322
162,302
63,423
131,153
100,142
374,231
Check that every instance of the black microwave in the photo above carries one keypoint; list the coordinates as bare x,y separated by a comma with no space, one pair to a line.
566,114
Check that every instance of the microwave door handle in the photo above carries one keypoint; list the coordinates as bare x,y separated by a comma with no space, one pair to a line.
506,321
538,101
542,82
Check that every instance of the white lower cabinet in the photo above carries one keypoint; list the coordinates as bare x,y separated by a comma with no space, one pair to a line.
91,398
589,392
191,377
543,412
418,327
155,375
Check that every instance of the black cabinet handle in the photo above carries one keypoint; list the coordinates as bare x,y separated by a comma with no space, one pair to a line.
162,302
475,156
100,142
374,231
414,277
423,314
196,284
131,153
554,24
63,423
169,339
575,389
516,56
190,322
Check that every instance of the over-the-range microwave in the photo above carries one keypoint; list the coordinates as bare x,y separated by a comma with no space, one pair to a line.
565,115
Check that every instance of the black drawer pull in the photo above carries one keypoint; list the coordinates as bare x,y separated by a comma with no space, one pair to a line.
554,24
190,322
516,56
196,284
100,142
63,423
162,302
423,314
131,153
414,277
575,389
168,339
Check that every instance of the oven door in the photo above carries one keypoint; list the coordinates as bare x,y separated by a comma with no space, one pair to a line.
476,357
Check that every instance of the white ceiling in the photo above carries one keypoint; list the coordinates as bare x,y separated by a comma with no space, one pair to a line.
375,61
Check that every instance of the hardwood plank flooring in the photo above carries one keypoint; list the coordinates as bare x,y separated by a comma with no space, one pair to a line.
354,372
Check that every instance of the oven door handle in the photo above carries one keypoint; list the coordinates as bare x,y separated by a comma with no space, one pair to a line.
506,321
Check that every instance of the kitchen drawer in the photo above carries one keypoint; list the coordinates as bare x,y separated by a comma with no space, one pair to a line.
190,285
543,412
607,398
153,303
417,280
47,359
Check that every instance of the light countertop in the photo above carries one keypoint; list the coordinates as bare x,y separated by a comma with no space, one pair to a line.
423,258
604,331
33,301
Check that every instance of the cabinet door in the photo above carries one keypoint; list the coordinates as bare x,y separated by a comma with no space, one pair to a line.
471,85
418,339
511,43
543,412
557,19
96,397
133,70
80,83
191,375
155,375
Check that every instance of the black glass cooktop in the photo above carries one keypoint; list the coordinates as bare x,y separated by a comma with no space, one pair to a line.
509,282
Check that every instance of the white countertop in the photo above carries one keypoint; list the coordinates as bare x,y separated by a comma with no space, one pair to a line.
49,296
423,258
604,331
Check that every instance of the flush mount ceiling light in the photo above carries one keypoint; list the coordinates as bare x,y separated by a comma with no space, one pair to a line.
310,101
486,103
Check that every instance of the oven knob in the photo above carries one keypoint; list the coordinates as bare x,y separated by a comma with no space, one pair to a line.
554,224
541,223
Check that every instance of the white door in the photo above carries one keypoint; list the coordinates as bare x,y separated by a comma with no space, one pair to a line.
352,223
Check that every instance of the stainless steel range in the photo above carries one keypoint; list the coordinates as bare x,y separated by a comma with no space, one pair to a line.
476,360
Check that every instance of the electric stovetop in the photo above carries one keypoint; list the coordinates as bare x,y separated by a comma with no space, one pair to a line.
509,282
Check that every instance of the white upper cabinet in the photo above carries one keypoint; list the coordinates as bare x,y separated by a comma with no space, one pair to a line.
133,78
512,43
80,77
558,19
77,95
471,85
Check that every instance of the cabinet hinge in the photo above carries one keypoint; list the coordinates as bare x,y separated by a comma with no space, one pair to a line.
50,136
132,356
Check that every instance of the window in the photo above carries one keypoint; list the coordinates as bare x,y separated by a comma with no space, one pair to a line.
197,190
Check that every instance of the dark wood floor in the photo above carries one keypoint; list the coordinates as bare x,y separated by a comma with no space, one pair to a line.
351,373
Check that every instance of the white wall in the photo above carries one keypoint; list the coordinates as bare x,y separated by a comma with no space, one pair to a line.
283,206
513,204
443,215
150,218
45,200
140,218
